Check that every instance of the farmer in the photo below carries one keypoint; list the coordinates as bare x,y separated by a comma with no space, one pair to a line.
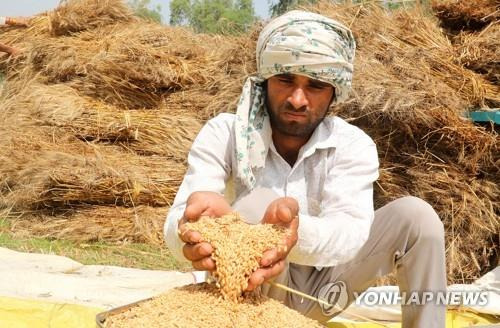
322,170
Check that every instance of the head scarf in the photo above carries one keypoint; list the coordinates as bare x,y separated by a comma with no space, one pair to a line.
297,42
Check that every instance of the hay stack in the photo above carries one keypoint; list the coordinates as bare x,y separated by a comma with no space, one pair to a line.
457,15
141,224
147,132
480,51
127,65
56,178
80,15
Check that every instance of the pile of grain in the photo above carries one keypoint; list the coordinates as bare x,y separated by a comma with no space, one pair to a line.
202,306
238,248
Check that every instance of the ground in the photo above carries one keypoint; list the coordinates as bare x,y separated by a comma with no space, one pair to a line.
134,255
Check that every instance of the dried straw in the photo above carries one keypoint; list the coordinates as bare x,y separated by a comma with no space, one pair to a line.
143,224
57,177
466,15
480,51
79,15
148,132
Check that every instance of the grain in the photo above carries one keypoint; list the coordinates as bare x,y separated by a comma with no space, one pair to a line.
238,247
202,306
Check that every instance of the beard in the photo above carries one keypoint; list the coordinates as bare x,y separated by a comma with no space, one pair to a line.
293,128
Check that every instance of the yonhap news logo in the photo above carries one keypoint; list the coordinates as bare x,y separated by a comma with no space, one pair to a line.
334,294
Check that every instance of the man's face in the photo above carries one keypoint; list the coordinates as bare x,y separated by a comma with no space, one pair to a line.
297,104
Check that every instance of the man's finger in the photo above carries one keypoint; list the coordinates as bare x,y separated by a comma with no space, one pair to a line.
194,210
271,256
189,236
205,264
284,213
263,274
197,252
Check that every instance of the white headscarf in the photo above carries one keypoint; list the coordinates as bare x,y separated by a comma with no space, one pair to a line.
297,42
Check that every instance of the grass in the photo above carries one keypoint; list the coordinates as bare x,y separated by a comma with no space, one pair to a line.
133,255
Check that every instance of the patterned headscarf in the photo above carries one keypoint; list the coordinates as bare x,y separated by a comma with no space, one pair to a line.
297,42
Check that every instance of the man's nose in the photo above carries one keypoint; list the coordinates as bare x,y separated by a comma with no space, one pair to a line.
298,98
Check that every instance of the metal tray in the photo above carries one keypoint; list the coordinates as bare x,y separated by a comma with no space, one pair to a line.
101,317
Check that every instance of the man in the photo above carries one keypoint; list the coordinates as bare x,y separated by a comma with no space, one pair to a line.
322,170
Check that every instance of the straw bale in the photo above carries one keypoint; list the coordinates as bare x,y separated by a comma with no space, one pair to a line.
469,209
133,65
143,224
148,132
21,38
466,15
238,248
480,51
201,306
466,204
55,178
73,16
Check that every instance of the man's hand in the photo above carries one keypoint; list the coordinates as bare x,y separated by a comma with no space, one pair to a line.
201,203
14,52
284,212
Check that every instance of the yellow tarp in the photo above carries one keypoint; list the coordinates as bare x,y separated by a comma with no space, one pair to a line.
17,313
454,319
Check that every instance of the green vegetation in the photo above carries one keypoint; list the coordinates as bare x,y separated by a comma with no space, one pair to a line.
213,16
142,9
135,255
283,6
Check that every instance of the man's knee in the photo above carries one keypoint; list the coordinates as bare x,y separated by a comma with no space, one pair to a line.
417,215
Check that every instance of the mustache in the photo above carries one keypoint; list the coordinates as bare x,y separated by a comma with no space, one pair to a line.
287,106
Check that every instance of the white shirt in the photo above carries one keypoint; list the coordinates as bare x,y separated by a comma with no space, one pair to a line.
332,180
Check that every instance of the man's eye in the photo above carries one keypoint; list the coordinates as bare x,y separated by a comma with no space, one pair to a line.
286,81
318,86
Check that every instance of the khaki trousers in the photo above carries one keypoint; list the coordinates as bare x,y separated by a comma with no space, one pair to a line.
406,235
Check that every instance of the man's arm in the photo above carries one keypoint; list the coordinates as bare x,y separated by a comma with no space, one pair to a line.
209,167
342,227
14,21
10,50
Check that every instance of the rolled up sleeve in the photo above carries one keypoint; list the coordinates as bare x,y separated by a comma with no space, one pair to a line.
209,167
